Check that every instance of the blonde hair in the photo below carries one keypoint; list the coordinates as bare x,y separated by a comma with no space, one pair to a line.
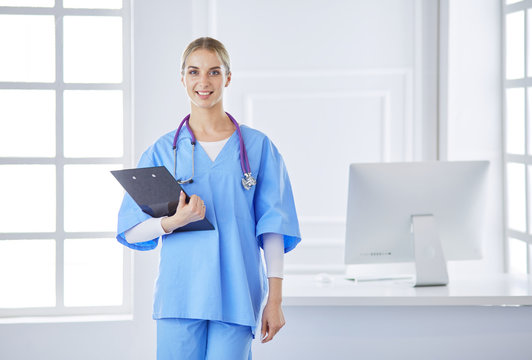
209,44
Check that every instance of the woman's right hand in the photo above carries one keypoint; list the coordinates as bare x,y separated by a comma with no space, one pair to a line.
185,213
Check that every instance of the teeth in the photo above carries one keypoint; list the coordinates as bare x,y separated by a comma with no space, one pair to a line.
204,93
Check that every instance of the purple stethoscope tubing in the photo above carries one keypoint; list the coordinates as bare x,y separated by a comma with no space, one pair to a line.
244,162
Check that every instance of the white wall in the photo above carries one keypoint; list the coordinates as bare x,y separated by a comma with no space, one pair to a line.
471,117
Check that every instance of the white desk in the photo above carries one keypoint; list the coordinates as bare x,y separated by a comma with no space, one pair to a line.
496,289
344,320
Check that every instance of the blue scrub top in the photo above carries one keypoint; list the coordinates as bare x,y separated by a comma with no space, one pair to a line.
218,274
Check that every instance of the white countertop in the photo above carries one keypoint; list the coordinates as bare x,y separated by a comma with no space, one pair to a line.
495,289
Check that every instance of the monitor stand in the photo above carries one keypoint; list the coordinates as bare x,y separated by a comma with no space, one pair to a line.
431,267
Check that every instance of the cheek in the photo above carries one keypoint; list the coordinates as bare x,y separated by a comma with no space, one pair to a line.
188,83
222,84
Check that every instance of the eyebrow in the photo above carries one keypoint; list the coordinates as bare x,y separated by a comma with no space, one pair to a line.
195,67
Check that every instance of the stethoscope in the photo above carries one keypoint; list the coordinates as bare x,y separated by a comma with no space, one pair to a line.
247,181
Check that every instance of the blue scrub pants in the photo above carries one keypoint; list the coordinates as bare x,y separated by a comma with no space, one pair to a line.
192,339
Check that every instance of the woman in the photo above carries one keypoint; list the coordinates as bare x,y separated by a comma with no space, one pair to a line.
211,286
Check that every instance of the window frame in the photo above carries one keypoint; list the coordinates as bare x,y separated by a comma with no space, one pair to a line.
526,158
59,161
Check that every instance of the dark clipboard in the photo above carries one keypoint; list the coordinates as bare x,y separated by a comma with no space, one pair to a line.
156,192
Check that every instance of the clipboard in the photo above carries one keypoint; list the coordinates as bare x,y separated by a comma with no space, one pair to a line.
156,192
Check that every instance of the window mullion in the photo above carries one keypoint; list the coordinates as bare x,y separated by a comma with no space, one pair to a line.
58,9
59,156
505,246
527,190
127,131
522,5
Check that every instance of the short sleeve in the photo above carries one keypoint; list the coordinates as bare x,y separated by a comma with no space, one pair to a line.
130,213
275,210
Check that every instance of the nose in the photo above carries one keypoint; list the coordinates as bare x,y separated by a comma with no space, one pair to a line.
204,79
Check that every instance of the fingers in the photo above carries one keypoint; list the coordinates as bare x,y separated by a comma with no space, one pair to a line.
195,201
264,329
271,333
271,330
182,198
189,212
196,207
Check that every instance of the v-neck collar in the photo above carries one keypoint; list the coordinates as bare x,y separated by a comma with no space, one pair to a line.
222,154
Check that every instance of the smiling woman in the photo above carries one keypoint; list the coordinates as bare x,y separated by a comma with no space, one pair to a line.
212,291
205,72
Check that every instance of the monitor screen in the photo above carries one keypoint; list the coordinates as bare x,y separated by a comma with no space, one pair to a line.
383,198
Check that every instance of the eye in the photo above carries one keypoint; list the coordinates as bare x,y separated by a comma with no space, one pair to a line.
215,72
193,72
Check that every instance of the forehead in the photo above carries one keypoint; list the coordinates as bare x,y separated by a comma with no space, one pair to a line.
203,58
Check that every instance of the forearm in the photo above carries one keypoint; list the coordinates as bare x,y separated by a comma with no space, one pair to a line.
169,224
275,294
273,246
145,231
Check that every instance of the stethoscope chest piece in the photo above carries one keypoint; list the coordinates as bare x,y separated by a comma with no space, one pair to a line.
248,181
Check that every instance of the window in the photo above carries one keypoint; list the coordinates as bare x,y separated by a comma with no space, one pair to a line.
517,92
64,124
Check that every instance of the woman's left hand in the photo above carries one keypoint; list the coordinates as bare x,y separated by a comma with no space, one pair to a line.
272,320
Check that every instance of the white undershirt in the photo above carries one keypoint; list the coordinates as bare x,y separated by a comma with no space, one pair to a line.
213,148
273,244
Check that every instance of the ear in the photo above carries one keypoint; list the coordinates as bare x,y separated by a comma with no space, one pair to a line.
228,80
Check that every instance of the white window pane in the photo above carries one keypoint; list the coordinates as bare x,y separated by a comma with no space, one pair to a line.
92,49
515,45
516,198
28,123
27,190
508,2
515,121
93,123
27,273
31,3
27,44
93,4
517,256
93,272
92,197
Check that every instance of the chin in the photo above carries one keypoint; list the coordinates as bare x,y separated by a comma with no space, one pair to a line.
205,105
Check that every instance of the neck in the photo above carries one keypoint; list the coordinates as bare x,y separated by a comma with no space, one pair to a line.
209,124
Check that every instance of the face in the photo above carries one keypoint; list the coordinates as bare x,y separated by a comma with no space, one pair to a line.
205,78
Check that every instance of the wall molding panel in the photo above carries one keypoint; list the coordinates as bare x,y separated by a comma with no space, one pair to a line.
393,86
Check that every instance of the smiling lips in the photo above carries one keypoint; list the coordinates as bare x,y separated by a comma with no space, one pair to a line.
204,94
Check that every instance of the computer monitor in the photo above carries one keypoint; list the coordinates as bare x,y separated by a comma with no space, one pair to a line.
422,212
